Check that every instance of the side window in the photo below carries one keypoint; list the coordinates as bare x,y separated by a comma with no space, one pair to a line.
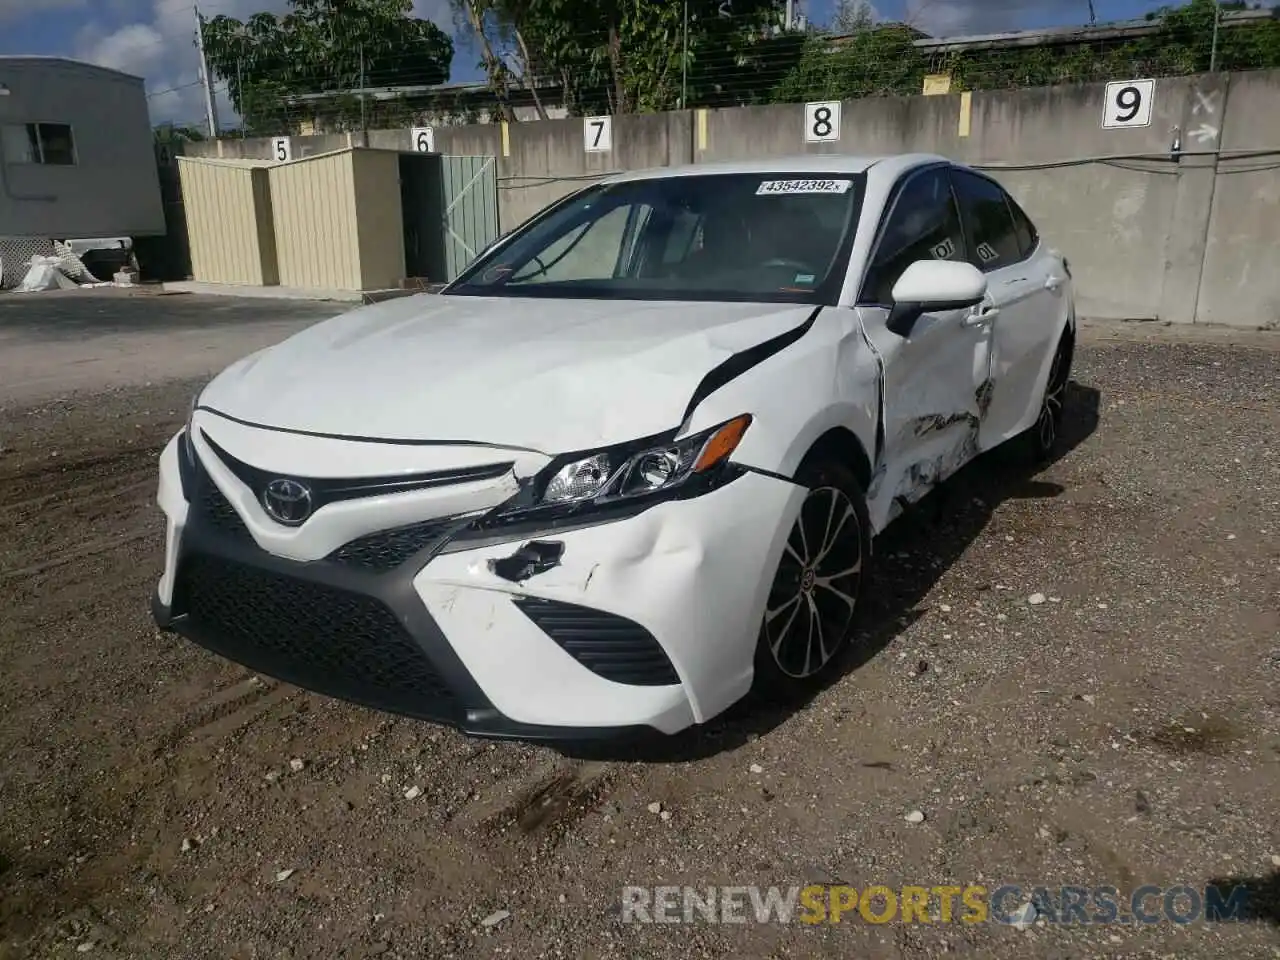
1028,237
988,222
681,238
923,224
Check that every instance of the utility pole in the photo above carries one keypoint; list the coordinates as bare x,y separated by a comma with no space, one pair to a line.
1213,52
684,62
1093,15
791,16
210,106
364,123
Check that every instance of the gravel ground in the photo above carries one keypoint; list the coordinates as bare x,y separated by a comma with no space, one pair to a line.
158,802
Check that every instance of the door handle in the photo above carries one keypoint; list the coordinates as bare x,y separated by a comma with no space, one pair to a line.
1053,283
982,317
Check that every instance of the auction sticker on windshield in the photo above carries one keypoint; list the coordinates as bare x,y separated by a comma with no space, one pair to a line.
804,186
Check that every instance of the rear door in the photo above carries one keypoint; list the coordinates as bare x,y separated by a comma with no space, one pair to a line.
1021,279
930,411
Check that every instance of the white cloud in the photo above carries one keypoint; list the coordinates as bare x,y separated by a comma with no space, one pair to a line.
949,18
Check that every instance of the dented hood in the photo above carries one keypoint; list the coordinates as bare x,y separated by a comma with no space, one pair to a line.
540,374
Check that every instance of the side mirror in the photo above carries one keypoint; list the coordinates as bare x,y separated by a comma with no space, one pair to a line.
928,286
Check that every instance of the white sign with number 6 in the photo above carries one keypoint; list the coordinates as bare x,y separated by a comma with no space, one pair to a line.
1128,104
282,149
597,134
424,139
822,121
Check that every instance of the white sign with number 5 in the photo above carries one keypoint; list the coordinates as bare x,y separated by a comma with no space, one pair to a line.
424,139
822,121
282,149
597,134
1128,104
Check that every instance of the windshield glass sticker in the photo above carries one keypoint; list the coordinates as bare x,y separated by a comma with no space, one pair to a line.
804,278
803,186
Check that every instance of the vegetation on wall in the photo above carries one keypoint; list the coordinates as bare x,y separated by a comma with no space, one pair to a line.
880,60
631,56
322,45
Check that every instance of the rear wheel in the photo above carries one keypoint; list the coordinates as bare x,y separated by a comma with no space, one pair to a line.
1041,440
813,602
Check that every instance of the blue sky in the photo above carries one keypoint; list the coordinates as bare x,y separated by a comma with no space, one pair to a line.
153,38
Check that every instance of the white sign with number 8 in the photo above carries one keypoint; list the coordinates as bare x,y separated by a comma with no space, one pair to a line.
822,121
597,134
424,140
1128,104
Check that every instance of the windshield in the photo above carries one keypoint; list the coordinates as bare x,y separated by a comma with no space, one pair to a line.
755,237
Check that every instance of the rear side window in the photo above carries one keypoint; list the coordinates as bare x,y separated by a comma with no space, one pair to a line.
923,224
988,220
1028,238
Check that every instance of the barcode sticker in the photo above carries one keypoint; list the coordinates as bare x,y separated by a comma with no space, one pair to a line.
803,186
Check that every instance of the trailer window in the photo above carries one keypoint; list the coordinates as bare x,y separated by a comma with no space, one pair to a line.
47,143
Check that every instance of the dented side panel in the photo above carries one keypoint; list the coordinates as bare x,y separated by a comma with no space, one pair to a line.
828,379
935,387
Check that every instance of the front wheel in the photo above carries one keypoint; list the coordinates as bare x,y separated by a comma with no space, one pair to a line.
812,606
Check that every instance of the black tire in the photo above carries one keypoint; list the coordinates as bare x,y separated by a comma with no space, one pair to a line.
1040,441
812,609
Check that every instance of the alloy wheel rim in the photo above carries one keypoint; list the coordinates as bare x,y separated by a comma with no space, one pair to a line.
1051,406
814,595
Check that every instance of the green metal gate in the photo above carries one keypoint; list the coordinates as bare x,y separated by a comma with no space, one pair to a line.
470,208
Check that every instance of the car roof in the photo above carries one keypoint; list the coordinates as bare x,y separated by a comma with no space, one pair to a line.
886,166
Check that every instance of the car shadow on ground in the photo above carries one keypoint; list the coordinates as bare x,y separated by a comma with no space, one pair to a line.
910,557
1259,904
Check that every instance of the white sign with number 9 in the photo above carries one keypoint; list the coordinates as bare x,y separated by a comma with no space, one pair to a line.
424,139
1128,104
822,121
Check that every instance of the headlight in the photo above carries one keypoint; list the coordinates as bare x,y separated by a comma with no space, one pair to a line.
187,451
624,472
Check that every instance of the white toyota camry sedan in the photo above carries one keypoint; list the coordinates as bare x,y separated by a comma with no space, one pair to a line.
630,464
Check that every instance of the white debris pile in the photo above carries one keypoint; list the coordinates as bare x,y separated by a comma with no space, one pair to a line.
64,268
62,271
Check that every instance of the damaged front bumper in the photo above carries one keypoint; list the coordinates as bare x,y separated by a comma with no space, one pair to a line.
643,623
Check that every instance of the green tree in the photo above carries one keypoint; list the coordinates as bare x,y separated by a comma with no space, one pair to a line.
171,133
319,46
626,56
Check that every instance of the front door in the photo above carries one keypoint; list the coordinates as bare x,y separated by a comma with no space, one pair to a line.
1025,283
932,376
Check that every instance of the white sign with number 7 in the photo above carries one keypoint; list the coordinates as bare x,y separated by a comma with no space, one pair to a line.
597,134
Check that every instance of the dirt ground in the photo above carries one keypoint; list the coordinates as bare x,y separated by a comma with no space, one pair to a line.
1124,731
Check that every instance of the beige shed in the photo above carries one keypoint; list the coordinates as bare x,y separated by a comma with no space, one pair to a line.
338,220
229,226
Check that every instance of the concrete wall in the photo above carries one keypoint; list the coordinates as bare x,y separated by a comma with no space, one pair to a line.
113,189
1150,235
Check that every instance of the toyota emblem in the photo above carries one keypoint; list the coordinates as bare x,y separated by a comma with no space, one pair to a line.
287,501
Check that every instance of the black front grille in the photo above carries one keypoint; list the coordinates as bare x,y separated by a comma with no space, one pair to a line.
609,646
333,641
217,509
387,549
